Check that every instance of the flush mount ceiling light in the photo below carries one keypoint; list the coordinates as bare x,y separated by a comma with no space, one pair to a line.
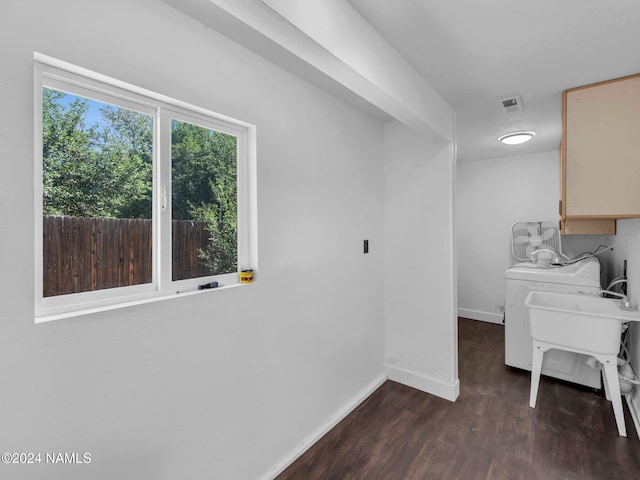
516,138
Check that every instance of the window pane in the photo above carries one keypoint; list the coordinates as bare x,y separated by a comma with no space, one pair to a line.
97,195
204,201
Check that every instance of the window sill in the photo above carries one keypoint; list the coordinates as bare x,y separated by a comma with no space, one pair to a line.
116,306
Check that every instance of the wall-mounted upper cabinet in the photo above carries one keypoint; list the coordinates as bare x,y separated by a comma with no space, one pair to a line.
600,155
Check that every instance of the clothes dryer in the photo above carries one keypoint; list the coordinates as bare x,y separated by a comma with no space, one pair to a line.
581,278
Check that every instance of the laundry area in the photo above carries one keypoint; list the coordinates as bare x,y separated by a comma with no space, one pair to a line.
560,241
542,267
545,273
575,267
582,277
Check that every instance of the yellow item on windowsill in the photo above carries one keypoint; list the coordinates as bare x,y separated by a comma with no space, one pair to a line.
246,276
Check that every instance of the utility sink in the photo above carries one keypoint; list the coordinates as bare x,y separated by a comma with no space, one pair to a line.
581,322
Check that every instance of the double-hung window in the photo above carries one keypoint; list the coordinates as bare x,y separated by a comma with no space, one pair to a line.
138,196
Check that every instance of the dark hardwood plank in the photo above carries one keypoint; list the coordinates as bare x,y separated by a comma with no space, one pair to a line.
488,433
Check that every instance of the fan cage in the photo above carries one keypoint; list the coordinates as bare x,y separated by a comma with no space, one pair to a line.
542,228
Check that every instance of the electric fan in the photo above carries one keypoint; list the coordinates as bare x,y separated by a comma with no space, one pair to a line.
527,237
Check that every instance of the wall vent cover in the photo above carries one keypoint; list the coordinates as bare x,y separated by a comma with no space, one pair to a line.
512,104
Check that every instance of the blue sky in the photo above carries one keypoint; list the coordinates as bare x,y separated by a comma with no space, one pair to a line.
93,113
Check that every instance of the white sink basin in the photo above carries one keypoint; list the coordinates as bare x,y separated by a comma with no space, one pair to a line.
582,324
591,324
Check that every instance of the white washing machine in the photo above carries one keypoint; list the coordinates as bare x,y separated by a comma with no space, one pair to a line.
582,277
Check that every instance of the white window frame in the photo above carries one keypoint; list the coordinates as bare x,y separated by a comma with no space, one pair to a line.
59,75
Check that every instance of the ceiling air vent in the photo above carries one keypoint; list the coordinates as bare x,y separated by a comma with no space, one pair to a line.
512,104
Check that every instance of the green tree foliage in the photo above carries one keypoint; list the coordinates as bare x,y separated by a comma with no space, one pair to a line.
204,188
93,170
105,170
127,141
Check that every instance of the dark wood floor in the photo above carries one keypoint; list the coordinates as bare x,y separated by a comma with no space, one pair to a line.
488,433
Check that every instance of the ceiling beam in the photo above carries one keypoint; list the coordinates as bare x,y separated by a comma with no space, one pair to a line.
330,44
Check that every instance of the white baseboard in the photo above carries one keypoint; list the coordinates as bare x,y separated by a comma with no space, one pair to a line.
425,383
324,429
480,315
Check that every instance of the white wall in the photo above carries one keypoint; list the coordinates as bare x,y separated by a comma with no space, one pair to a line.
492,195
419,271
628,237
333,37
225,384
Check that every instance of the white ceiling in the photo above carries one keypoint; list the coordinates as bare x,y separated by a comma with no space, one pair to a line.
475,53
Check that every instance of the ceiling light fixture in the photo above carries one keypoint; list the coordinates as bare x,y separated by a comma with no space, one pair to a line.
516,138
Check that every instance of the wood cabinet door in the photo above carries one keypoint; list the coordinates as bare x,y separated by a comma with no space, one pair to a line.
601,168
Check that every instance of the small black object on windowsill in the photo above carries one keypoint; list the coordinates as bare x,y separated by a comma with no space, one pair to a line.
208,285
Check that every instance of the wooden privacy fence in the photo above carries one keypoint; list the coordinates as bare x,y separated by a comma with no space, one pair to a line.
84,254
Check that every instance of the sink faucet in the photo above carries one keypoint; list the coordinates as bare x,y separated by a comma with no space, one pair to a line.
626,304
